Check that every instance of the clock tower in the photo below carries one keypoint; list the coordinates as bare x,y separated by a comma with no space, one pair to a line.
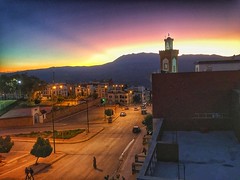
169,57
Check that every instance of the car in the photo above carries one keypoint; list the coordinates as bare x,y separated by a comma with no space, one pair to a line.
149,132
122,114
136,129
144,111
126,108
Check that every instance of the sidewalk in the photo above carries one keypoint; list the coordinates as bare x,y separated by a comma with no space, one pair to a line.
16,161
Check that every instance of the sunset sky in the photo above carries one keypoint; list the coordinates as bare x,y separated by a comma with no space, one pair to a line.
41,34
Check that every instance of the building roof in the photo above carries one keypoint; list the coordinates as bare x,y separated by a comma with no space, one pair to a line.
218,62
23,112
203,152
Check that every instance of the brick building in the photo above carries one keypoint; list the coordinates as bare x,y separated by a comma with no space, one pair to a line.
191,101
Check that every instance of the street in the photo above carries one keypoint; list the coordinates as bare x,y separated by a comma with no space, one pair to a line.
107,147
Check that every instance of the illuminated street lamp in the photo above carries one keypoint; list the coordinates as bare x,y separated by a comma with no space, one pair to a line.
20,83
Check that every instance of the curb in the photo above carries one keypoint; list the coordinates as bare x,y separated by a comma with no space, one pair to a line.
80,141
59,141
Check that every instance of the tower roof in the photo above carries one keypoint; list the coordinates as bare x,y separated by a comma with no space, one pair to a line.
168,38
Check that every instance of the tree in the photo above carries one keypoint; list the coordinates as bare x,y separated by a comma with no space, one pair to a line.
95,95
148,122
37,101
5,144
108,112
136,99
23,83
41,148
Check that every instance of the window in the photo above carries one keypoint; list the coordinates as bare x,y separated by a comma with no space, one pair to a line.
165,64
174,65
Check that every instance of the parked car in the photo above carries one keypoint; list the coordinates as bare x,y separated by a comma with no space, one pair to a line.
126,108
136,129
149,132
144,111
122,114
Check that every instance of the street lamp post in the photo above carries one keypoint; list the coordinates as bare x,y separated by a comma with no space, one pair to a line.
53,126
20,88
87,118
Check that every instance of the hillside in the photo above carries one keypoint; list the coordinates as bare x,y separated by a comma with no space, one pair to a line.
134,69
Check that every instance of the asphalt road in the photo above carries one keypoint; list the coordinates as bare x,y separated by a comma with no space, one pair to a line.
107,147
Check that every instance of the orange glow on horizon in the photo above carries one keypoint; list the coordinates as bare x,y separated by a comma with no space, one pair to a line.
223,47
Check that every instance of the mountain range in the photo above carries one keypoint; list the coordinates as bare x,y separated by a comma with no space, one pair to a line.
132,69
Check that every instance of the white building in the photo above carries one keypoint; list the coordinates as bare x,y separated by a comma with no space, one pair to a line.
220,65
102,89
142,92
117,94
56,89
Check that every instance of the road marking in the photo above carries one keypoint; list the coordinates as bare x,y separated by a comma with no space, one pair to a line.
129,144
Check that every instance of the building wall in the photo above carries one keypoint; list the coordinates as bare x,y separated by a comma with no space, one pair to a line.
217,67
16,122
70,110
236,112
178,98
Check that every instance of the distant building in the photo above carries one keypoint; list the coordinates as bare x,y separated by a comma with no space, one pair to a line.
142,92
220,65
102,89
169,57
56,89
25,116
84,90
117,94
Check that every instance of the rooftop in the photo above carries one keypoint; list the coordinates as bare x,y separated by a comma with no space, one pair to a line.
24,112
212,155
218,62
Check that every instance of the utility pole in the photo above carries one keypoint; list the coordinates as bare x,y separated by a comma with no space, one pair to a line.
87,118
53,126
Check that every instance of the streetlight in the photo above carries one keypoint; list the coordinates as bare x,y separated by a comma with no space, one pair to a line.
53,127
20,83
86,101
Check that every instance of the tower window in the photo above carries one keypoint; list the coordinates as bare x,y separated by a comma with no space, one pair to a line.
174,68
165,65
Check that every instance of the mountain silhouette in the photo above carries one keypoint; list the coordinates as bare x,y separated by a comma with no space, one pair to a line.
132,69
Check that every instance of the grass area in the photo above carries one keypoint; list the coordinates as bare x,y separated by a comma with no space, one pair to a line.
43,134
6,103
67,134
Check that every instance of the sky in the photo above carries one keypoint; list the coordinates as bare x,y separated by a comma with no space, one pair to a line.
49,33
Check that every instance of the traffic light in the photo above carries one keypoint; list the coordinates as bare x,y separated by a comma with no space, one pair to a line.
103,101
